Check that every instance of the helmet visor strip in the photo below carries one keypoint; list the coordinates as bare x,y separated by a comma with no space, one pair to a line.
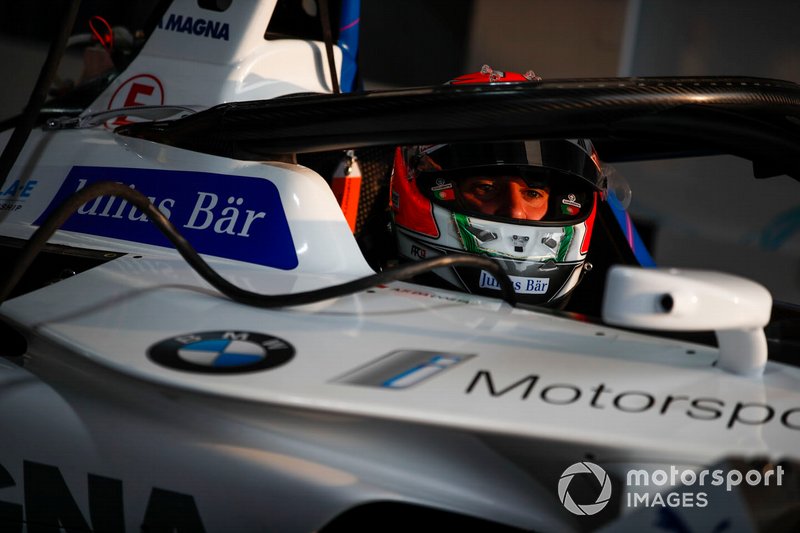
510,193
563,155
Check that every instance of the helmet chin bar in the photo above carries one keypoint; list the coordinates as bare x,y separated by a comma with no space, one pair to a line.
736,309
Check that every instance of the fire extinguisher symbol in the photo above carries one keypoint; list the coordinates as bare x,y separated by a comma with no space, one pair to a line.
346,185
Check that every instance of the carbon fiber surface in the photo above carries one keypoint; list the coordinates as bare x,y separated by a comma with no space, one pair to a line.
758,119
373,204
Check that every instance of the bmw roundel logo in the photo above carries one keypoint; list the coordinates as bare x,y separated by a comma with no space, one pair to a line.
221,352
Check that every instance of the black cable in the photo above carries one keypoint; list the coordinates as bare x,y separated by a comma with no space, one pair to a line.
28,117
327,35
107,188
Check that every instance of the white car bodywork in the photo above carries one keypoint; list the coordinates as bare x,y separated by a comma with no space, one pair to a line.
401,393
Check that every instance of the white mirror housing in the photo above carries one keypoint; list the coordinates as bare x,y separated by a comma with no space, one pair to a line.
737,309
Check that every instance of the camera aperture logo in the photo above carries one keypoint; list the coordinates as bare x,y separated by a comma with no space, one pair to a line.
668,487
603,497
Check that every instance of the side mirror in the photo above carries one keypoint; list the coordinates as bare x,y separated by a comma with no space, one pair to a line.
736,309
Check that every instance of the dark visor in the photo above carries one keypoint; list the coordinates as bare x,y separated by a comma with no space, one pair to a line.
560,155
510,193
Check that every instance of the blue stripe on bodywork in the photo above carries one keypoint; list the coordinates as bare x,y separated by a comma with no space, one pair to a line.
235,217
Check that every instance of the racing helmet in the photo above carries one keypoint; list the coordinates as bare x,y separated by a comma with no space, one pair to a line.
528,204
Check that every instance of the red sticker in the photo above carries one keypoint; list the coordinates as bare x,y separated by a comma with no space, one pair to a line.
142,89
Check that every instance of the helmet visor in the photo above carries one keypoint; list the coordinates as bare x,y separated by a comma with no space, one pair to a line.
569,157
510,193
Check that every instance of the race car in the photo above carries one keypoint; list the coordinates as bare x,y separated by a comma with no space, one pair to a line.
201,334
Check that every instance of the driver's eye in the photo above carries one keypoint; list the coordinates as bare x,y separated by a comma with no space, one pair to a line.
483,189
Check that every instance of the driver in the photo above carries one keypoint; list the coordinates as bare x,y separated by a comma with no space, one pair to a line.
530,205
508,196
